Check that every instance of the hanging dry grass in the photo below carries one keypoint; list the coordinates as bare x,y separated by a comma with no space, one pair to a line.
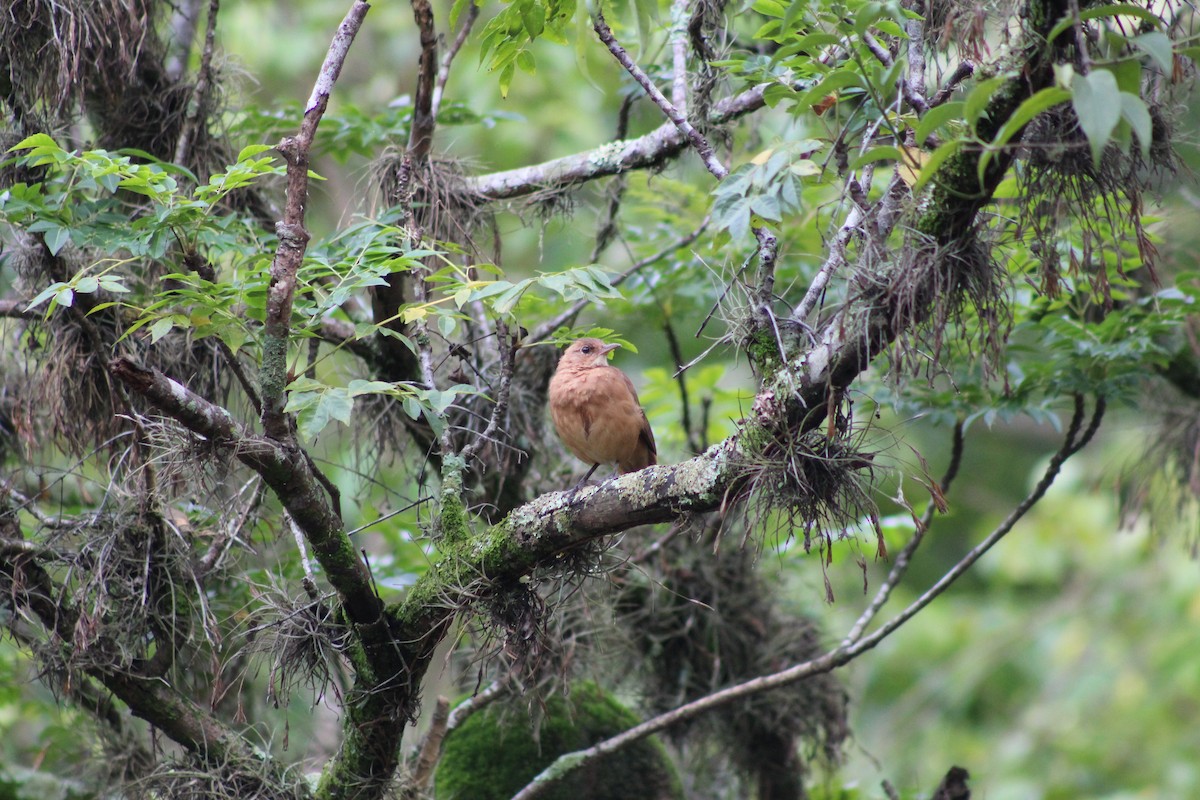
706,622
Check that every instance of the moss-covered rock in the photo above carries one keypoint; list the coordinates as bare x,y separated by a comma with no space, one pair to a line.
495,753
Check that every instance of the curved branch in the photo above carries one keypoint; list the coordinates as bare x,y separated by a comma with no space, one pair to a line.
847,651
285,470
443,74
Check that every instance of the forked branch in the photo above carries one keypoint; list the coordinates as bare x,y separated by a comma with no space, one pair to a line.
293,236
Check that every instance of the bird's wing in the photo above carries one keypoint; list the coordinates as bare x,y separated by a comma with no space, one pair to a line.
646,434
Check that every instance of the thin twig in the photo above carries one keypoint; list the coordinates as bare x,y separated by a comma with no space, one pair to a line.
444,721
681,380
1071,445
231,360
703,148
964,70
443,75
465,709
616,190
431,748
225,540
310,584
508,354
1081,45
389,515
547,328
199,93
904,557
835,259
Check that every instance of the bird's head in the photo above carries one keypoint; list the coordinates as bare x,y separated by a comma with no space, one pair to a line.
586,353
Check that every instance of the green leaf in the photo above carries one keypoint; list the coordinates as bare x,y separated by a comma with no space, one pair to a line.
978,97
1158,46
45,294
770,8
358,386
890,27
1097,102
34,141
935,118
833,82
56,239
315,409
87,284
1134,111
936,158
885,152
161,328
526,63
533,16
506,77
457,9
110,283
251,150
1128,73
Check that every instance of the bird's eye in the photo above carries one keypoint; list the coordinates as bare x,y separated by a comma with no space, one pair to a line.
587,348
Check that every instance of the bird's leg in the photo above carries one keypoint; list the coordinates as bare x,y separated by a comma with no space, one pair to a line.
582,481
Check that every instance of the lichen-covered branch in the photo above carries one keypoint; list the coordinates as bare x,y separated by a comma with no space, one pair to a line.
851,647
652,149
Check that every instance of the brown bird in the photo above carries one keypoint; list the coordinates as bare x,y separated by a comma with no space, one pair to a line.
596,410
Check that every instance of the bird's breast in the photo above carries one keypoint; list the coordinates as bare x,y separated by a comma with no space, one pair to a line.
595,413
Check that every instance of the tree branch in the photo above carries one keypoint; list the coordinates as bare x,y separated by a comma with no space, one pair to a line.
199,92
703,148
649,150
293,236
839,656
460,39
283,468
420,137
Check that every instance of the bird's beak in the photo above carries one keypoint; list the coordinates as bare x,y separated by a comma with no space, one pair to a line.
608,348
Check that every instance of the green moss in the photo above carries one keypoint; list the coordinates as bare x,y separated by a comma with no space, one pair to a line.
452,517
763,350
494,753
